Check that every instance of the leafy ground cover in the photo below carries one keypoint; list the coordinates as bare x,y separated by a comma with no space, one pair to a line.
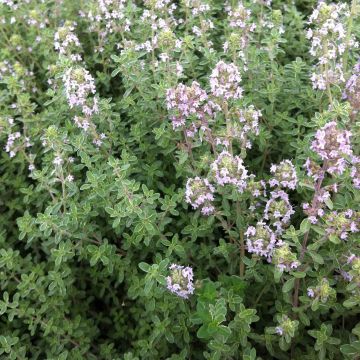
179,179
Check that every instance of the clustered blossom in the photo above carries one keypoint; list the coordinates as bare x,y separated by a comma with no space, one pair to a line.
286,327
180,281
11,144
79,88
323,291
329,41
283,258
158,4
229,169
263,2
246,122
332,145
278,209
342,223
241,25
6,69
225,81
352,89
67,43
284,175
197,6
355,172
188,102
316,208
256,188
260,240
200,194
107,17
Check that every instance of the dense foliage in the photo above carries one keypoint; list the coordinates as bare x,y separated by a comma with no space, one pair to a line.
179,179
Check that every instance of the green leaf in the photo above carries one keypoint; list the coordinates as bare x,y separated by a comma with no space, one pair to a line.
316,257
144,267
289,284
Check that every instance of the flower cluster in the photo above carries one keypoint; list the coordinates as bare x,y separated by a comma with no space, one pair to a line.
107,17
79,90
323,291
278,209
284,258
246,122
260,240
197,6
188,101
256,188
67,43
229,169
332,145
355,171
180,281
15,142
286,327
329,41
284,175
316,208
241,25
352,89
79,87
225,81
342,223
200,194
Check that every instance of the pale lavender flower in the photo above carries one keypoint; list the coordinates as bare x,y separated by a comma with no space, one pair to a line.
79,90
66,42
225,81
200,194
260,240
229,169
188,102
329,41
352,89
284,258
278,209
58,161
355,171
343,223
284,175
246,122
180,281
332,144
310,292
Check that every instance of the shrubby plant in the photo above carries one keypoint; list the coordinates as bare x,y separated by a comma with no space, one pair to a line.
179,179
